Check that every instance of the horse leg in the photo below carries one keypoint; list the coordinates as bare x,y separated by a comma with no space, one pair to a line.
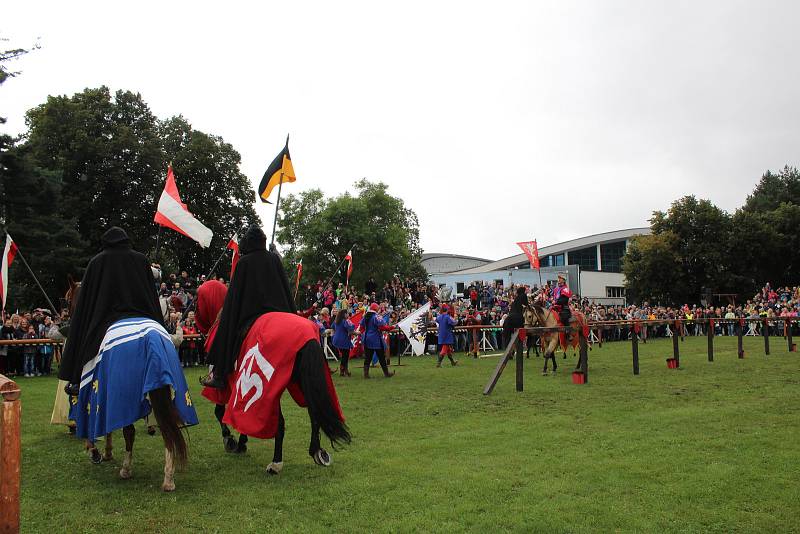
108,455
277,456
320,455
228,441
169,471
129,433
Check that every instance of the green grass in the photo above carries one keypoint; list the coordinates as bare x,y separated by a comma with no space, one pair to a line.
709,447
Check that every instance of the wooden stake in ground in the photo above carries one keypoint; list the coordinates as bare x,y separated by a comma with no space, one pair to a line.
10,413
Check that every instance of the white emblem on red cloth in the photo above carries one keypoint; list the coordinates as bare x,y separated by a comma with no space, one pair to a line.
250,376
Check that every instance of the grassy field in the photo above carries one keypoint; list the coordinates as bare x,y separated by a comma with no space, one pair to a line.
709,447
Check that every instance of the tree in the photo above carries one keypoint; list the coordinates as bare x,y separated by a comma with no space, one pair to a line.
774,189
382,232
110,155
50,243
694,236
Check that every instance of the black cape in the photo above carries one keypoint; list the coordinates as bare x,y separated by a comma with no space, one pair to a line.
515,318
118,284
259,285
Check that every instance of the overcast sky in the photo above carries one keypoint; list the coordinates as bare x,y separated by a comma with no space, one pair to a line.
496,122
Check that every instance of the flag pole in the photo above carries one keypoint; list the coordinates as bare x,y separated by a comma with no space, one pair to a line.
277,205
50,302
337,268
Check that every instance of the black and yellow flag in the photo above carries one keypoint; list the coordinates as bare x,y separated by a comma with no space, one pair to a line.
280,170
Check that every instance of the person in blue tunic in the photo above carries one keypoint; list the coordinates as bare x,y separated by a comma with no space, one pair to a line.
446,336
342,340
373,326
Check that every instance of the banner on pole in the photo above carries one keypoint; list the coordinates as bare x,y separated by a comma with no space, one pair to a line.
531,250
415,327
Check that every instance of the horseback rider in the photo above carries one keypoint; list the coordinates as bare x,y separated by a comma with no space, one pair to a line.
561,296
118,284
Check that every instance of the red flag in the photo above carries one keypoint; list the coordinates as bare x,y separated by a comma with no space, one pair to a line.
349,259
532,251
299,274
233,245
9,252
173,213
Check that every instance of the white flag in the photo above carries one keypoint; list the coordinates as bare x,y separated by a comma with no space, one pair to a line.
415,327
173,213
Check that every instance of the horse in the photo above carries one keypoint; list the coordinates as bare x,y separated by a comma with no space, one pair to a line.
538,315
136,371
282,352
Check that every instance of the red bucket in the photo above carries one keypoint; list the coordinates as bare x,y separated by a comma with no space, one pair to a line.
672,363
578,378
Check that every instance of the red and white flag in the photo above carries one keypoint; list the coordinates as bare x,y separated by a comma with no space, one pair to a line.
532,251
173,213
9,252
233,245
349,259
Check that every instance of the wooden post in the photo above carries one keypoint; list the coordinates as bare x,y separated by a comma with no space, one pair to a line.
711,340
766,337
739,333
499,369
10,413
789,333
584,356
676,353
635,348
520,360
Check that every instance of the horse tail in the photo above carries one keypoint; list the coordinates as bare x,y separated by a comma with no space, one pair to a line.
170,424
314,383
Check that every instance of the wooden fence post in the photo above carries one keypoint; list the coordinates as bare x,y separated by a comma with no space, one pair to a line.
676,353
519,359
635,347
711,340
10,413
584,356
739,343
789,333
766,337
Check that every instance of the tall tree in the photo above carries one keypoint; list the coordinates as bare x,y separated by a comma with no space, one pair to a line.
774,189
383,233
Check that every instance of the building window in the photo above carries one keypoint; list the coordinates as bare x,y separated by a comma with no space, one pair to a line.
615,292
611,256
460,287
556,260
585,257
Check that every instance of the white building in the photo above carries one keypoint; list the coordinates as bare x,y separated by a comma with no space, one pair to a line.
593,265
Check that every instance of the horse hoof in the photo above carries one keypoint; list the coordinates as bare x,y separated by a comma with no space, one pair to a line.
321,457
168,487
274,468
229,442
108,456
151,430
241,448
95,456
125,474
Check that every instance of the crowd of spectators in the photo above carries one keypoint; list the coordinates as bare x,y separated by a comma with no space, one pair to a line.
480,304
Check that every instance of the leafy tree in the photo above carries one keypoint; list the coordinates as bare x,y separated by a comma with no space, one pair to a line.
383,233
774,189
693,235
110,154
50,243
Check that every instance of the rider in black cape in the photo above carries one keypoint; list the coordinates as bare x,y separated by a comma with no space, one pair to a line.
259,285
515,318
118,284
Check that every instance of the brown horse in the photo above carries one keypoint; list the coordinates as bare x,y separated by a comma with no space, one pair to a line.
175,449
538,315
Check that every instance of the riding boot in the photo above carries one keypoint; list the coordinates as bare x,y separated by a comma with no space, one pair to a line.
386,372
214,381
72,389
